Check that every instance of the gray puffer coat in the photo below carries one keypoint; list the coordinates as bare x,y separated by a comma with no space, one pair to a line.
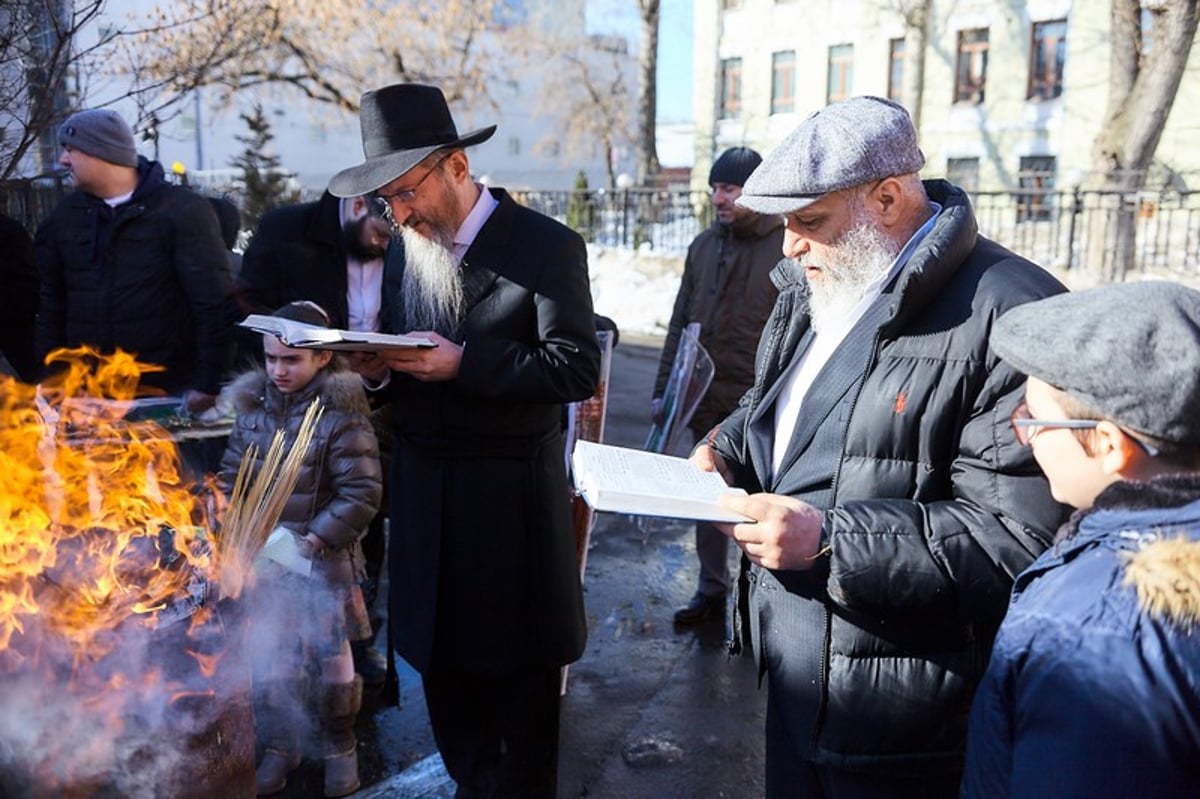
340,485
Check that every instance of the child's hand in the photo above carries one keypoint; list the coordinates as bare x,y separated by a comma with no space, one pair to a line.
310,544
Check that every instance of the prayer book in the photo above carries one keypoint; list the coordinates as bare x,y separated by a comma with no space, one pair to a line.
298,334
649,484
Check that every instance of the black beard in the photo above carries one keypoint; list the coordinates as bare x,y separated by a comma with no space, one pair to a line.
352,241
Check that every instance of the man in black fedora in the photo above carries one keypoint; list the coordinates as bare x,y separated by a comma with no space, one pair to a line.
485,593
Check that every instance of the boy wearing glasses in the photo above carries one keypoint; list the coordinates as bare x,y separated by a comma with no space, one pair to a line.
1093,689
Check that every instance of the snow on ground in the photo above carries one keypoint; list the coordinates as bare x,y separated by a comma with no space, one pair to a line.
635,288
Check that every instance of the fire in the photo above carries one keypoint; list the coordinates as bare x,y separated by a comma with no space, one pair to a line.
97,525
109,589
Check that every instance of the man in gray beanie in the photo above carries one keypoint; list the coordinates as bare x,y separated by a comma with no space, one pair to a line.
130,261
893,507
726,288
1094,683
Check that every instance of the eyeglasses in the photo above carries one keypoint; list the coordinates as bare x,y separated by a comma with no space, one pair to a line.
409,194
1025,427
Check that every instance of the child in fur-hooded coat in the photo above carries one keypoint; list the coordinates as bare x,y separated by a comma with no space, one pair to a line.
311,616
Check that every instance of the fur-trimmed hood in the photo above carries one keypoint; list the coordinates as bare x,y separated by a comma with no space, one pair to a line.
1166,575
1158,523
336,389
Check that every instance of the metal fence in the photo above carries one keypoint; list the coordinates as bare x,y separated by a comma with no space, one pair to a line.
1077,230
1064,230
662,220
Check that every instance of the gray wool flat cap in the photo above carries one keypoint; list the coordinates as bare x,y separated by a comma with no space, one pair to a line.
856,141
1129,350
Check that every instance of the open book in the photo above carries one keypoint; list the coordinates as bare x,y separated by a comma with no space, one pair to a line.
298,334
649,484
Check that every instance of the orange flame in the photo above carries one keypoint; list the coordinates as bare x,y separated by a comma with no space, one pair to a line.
108,583
96,522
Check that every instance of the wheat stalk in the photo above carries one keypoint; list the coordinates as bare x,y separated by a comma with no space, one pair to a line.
258,500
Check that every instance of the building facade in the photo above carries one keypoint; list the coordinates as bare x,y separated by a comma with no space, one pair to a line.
1006,95
314,140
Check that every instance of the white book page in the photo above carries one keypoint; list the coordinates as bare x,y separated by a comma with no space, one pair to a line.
282,548
647,483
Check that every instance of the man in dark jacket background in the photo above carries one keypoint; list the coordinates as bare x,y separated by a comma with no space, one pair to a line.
486,601
130,261
893,507
329,252
726,288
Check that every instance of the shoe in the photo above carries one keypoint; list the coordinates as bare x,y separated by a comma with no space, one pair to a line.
700,607
272,773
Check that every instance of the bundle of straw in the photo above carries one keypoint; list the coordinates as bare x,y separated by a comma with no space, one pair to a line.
258,500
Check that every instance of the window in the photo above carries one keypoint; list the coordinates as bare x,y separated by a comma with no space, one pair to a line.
964,173
783,83
731,88
1046,57
841,72
896,70
1036,186
970,71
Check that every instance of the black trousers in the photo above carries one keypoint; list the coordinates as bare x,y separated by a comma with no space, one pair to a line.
498,735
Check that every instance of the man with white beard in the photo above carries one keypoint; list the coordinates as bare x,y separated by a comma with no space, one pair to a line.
485,598
893,508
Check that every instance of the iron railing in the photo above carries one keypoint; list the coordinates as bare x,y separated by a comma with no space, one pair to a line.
662,220
1071,230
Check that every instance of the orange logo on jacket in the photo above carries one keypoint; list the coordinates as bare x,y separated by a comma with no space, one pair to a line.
901,401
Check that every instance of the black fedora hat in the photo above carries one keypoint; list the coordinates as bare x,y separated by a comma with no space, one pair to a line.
401,124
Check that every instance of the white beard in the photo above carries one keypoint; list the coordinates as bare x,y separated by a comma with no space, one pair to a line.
860,256
432,290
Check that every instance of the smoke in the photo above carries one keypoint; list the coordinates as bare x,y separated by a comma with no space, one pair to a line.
127,723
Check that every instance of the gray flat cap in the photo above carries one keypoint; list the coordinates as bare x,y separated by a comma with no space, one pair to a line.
845,144
1129,350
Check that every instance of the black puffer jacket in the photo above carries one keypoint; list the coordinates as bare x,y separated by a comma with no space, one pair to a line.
149,276
930,506
340,485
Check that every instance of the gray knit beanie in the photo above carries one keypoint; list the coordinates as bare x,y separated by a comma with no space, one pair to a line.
101,133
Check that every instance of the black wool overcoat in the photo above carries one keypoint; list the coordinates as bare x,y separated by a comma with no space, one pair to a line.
482,565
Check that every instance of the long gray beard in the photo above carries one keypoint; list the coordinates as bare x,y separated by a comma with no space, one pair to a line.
862,255
432,290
